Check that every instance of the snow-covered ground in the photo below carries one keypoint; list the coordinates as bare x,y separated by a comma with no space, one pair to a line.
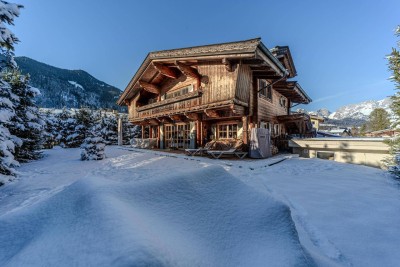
148,208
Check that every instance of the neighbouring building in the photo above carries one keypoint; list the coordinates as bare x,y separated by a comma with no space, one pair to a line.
387,133
364,151
316,121
187,97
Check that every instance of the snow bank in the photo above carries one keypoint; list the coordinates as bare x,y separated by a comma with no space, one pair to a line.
202,218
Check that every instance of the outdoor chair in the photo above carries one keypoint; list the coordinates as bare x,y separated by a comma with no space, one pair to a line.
195,151
218,153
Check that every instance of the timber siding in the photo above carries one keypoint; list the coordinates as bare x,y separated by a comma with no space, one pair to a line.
220,84
243,83
268,110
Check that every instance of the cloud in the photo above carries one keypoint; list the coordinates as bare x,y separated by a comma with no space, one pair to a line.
329,97
367,89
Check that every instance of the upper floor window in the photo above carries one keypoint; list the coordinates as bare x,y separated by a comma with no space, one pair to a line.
282,101
264,89
179,92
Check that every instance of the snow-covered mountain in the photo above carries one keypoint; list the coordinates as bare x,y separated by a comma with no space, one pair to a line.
361,110
352,114
323,112
67,88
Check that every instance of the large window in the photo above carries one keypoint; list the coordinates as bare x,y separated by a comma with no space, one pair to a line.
177,136
227,131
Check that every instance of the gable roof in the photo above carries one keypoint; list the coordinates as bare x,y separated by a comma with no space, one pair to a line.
247,48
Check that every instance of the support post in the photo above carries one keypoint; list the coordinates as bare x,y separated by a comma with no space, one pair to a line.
120,143
192,134
245,130
162,146
198,133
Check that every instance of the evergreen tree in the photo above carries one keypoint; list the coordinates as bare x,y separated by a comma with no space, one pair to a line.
109,128
363,129
78,127
9,12
7,140
50,129
27,124
394,67
393,162
379,120
64,126
93,145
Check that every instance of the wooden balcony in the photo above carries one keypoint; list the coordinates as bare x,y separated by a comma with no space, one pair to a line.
167,107
190,103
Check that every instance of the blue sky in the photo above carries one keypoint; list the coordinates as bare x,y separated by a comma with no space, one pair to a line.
338,47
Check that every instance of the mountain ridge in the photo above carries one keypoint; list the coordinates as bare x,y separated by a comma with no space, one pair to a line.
67,88
352,114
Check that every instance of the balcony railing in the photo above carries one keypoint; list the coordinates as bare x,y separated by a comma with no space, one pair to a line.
168,106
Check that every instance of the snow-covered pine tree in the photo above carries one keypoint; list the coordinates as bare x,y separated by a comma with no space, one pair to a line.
129,130
64,125
94,144
84,120
109,128
7,140
393,162
50,128
27,124
9,12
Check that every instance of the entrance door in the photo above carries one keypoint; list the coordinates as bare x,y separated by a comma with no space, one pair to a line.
177,135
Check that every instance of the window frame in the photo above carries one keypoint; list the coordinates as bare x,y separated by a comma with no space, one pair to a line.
227,131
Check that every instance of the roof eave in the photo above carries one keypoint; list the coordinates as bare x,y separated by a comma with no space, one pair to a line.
268,53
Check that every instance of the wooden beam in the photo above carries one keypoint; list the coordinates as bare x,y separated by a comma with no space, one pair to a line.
192,116
228,64
165,120
149,87
211,113
188,71
177,117
154,121
166,71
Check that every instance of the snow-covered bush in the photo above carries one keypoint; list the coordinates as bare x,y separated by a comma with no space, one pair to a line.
93,146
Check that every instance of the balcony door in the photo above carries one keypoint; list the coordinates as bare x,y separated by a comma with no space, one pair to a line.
177,135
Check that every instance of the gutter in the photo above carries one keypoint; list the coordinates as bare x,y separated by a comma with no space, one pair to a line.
276,81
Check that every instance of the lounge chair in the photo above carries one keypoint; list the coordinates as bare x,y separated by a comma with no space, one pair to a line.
218,153
194,151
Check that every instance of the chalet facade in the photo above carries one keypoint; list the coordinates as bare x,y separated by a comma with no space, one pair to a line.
187,97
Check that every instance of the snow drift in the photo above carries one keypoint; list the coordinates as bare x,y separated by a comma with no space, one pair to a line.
202,218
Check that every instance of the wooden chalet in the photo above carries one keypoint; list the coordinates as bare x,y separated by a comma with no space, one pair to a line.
187,97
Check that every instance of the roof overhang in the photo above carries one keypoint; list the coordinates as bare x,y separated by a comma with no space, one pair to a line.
293,91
